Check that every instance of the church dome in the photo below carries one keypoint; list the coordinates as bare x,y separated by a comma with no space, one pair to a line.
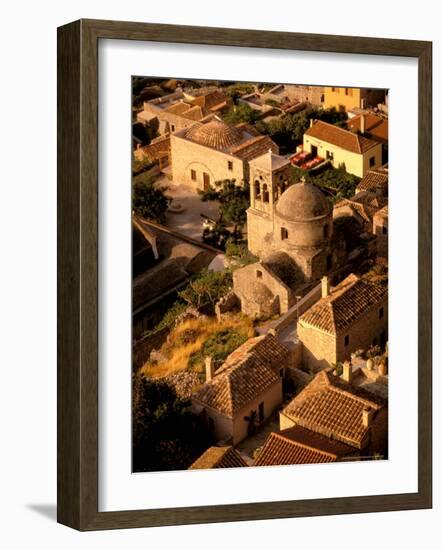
216,134
302,201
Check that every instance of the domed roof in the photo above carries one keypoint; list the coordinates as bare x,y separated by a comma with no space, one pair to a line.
302,201
216,134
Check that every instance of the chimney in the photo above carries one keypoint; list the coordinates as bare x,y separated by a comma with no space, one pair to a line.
209,365
347,372
324,286
362,123
367,415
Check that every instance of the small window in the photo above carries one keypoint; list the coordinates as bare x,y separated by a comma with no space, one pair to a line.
322,98
265,193
346,91
284,233
372,161
333,89
259,274
381,313
230,165
172,128
193,175
347,340
329,155
384,230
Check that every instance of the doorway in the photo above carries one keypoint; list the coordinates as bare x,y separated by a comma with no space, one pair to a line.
206,181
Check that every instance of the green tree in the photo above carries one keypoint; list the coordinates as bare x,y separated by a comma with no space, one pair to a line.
336,183
149,200
241,112
166,436
288,130
239,89
233,201
207,288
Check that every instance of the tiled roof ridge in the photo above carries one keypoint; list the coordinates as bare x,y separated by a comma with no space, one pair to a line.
280,435
356,136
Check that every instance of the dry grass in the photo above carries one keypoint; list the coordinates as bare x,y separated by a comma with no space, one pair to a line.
188,338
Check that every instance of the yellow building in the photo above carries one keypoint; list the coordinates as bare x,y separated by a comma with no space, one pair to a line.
346,99
341,147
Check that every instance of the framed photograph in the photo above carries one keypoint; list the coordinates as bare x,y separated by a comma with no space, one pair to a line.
244,275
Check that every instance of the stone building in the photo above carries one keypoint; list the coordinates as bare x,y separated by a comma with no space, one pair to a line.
331,407
244,391
374,181
347,99
290,228
353,315
362,207
219,457
215,151
180,110
342,147
290,93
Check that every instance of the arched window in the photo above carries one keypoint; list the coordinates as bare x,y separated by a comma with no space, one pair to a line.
256,189
265,193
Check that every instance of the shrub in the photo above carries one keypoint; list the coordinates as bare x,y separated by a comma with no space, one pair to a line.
219,346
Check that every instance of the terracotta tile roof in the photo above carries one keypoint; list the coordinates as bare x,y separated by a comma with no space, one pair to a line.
247,373
365,203
265,350
334,408
254,147
376,126
218,457
374,180
298,445
158,148
249,128
348,301
340,137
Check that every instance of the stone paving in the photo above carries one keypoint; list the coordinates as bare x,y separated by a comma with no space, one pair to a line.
189,221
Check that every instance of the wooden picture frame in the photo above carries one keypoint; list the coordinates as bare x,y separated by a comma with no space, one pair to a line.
78,273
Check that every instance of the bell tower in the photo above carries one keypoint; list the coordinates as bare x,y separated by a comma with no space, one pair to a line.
269,178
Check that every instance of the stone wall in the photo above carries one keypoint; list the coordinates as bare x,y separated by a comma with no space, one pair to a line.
187,156
250,281
364,332
321,350
271,399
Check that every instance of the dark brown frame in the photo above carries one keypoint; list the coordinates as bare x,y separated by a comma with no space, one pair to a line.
77,274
